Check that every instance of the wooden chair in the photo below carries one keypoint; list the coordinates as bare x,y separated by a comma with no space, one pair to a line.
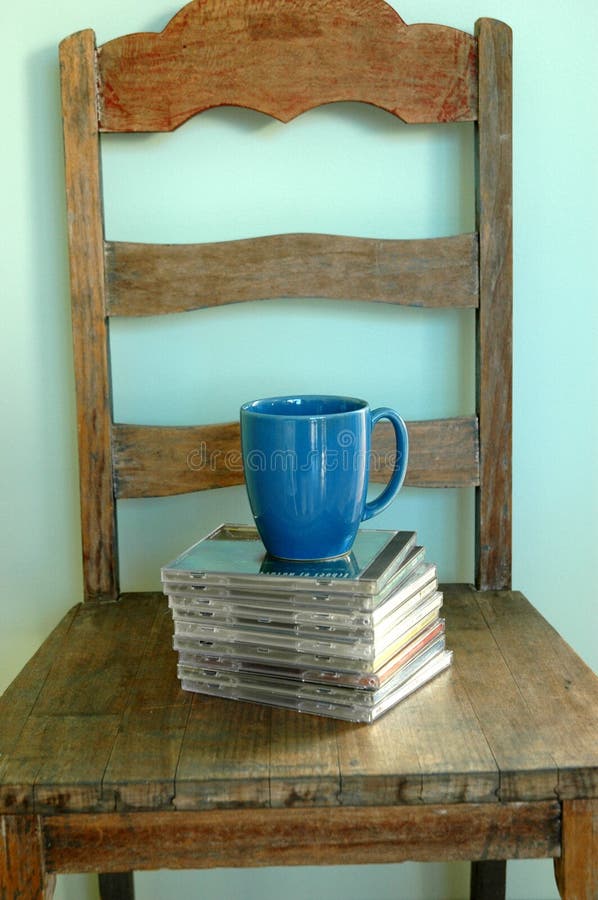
105,764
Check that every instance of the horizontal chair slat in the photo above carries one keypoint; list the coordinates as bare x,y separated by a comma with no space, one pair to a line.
284,61
152,279
158,461
271,837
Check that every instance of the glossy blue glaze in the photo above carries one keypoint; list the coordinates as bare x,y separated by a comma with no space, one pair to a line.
307,461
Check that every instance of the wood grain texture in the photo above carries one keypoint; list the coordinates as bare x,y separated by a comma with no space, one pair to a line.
86,254
228,742
141,770
369,767
95,666
524,758
58,760
494,317
304,763
160,461
559,691
111,730
409,757
152,279
576,869
57,764
19,698
277,837
22,868
386,763
443,453
284,59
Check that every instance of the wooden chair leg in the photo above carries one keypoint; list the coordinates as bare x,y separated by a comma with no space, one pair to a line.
576,869
117,886
22,869
488,880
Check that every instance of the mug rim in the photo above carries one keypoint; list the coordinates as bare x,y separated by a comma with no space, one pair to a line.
250,405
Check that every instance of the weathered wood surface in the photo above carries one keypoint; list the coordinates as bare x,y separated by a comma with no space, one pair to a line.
230,745
58,763
298,836
86,253
157,461
151,279
524,756
283,60
20,697
22,867
141,770
442,453
108,728
60,747
576,869
310,744
557,688
494,324
432,751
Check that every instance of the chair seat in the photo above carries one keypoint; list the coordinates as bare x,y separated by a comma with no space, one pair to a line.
97,723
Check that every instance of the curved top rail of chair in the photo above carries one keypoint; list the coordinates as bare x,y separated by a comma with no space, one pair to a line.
285,61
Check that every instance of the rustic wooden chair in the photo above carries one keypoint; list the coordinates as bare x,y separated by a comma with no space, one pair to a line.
105,764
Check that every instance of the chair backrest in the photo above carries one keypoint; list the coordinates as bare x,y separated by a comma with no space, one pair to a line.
284,58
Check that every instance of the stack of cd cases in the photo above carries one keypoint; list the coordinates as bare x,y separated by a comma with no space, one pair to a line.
347,638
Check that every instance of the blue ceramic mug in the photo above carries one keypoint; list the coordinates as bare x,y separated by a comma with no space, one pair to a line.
307,461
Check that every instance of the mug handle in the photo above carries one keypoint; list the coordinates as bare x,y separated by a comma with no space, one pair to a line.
398,476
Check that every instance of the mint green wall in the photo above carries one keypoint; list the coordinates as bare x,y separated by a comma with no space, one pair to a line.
211,174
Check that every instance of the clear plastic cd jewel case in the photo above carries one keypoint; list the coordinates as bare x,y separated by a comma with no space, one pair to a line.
351,712
414,583
308,690
233,557
322,659
328,605
210,664
353,645
347,638
272,594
